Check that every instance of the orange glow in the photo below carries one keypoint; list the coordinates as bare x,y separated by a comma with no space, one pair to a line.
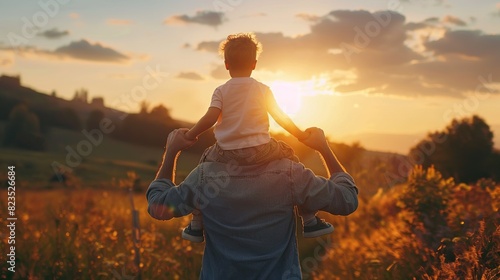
289,94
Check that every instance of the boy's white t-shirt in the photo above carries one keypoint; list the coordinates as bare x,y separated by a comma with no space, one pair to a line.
244,121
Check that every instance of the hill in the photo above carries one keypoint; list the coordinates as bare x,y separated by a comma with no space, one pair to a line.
12,92
136,144
105,165
386,142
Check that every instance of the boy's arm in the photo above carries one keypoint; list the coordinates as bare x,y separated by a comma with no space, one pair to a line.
282,119
206,122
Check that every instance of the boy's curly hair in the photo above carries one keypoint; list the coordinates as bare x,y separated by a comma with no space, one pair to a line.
240,50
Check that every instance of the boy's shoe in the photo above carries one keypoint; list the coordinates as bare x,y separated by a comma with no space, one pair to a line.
320,228
193,235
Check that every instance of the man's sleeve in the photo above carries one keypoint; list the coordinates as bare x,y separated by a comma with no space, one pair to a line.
216,99
165,200
337,195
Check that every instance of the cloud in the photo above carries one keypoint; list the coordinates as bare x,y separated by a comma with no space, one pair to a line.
307,17
497,11
432,20
4,62
80,50
261,14
209,46
190,76
220,72
373,49
74,15
430,2
84,50
464,56
54,33
116,21
470,43
454,20
209,18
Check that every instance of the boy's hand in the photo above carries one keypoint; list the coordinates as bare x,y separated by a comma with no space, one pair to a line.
187,134
302,135
316,139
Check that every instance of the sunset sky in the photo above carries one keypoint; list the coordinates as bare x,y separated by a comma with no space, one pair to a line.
358,69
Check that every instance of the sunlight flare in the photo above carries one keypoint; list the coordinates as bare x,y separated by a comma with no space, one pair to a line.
289,95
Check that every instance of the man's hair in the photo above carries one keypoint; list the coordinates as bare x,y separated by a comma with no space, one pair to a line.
240,50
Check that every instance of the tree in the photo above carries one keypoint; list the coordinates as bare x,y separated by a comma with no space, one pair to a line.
160,112
144,107
68,118
464,150
426,198
94,119
81,95
23,129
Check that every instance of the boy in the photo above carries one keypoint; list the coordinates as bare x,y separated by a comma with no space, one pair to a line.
240,108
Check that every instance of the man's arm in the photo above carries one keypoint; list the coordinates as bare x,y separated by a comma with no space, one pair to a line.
337,195
176,142
165,200
206,122
316,140
283,119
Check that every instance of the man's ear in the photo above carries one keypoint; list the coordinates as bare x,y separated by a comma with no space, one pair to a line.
227,65
254,64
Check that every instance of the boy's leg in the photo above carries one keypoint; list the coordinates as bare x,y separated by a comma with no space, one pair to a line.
197,220
308,219
194,231
314,226
271,151
210,154
213,154
285,150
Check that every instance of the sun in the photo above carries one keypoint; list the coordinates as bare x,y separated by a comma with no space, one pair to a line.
288,96
296,97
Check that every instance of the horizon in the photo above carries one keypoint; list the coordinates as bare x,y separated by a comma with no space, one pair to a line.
354,69
376,141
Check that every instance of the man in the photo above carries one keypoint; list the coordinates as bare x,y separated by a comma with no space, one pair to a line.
248,210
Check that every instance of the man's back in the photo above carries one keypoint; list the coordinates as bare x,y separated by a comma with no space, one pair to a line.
249,221
248,210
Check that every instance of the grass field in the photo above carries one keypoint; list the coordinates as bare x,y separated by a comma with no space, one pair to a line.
83,230
88,234
105,165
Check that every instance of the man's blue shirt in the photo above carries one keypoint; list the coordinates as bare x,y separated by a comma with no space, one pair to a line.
248,213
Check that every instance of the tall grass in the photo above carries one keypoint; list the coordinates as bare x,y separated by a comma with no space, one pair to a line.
87,234
430,228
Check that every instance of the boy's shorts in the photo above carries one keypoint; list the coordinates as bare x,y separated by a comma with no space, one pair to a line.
273,150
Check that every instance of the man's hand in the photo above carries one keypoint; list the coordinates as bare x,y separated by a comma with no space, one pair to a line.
316,139
177,141
301,135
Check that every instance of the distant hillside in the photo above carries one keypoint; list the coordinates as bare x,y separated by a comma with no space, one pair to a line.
496,135
386,142
400,143
12,91
149,127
